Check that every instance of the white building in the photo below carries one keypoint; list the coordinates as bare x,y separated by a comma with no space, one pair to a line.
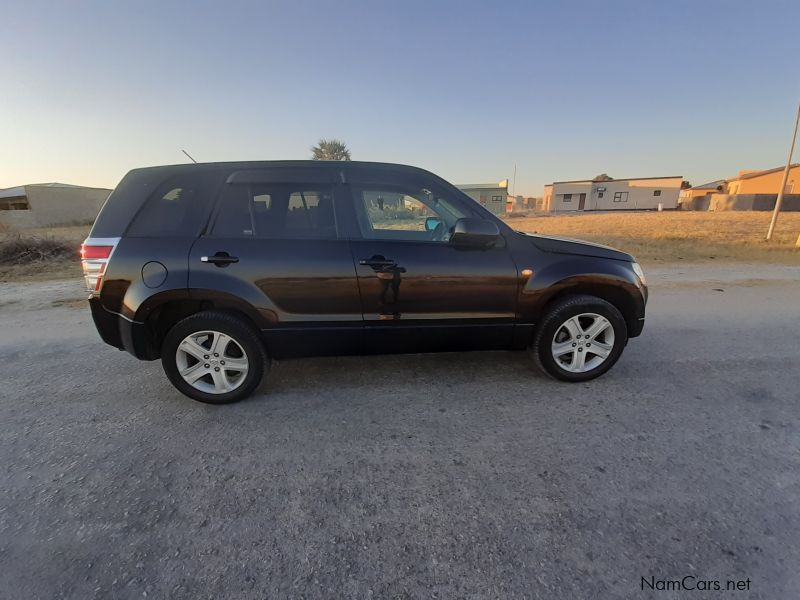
48,204
493,196
637,193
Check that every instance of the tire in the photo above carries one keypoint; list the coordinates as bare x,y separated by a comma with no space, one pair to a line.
561,353
230,375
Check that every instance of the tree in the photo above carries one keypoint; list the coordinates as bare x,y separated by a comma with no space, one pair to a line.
330,150
685,185
603,177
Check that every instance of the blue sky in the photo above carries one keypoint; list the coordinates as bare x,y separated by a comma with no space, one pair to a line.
565,90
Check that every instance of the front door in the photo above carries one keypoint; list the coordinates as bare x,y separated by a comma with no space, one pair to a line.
273,246
581,201
419,293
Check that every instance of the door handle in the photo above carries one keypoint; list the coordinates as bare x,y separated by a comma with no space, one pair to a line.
221,259
377,262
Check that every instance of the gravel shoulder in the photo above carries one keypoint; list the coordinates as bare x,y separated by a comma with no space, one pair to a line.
438,476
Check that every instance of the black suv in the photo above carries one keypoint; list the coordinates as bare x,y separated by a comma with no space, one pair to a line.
219,268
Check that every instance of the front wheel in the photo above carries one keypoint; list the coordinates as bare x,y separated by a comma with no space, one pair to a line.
579,338
214,357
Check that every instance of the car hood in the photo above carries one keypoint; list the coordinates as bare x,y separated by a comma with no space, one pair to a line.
560,245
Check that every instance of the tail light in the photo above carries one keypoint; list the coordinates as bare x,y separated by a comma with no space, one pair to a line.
95,254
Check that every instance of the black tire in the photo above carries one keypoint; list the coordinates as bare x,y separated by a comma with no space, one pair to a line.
244,334
556,315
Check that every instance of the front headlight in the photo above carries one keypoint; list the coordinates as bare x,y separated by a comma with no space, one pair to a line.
637,268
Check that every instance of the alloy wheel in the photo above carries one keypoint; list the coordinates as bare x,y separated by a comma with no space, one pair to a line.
583,342
211,362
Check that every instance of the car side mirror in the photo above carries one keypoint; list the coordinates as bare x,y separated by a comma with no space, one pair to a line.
474,233
431,223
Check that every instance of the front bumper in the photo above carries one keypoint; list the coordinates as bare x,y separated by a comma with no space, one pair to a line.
636,325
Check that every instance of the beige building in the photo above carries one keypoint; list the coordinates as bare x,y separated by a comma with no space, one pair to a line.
749,190
493,196
48,204
764,182
637,193
698,197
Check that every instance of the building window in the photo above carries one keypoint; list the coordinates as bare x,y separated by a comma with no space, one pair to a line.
497,198
567,197
620,196
600,194
15,203
656,192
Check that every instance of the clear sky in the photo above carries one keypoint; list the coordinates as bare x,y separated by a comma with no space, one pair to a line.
566,90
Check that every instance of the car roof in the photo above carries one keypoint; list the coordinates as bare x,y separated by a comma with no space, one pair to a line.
274,164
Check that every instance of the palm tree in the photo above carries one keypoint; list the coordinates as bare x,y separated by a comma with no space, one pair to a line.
330,150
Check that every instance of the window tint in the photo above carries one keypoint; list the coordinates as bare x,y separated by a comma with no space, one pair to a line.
177,207
405,214
276,211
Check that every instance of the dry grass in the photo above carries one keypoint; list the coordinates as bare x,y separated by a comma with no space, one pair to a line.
678,236
45,271
70,233
41,254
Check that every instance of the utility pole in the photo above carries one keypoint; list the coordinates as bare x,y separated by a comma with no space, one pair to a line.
779,199
514,182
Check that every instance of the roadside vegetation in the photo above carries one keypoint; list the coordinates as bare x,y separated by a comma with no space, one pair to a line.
39,254
673,236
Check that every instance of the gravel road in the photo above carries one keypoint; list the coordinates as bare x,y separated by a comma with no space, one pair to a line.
422,476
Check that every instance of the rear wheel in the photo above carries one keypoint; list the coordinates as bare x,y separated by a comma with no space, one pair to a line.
579,338
214,357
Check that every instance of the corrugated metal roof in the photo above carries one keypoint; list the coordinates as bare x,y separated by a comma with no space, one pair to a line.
20,189
482,186
618,179
711,185
13,192
751,174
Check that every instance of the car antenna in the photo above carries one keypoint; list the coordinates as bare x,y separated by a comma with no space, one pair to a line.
189,155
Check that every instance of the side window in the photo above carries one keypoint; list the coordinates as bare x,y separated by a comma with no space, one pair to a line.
176,207
276,211
404,214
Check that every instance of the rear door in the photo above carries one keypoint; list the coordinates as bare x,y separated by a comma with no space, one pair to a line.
419,293
273,244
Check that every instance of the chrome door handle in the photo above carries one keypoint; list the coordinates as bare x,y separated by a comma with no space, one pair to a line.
221,259
377,262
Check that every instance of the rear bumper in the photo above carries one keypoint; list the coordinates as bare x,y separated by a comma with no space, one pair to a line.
115,330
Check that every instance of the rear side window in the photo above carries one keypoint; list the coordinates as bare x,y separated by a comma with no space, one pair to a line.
176,208
276,211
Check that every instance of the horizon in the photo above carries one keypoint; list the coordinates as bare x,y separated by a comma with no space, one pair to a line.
464,90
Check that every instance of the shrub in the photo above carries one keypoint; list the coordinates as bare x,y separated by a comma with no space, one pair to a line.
17,249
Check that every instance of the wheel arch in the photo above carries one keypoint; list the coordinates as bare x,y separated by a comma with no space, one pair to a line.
163,311
602,279
620,298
